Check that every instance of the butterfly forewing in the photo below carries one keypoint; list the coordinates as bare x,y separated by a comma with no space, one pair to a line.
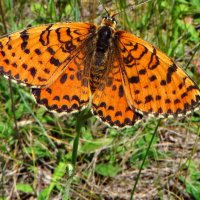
37,56
153,82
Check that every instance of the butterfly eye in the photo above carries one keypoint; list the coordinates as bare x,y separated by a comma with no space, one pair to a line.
114,20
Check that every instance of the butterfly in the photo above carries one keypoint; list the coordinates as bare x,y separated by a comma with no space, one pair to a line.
122,77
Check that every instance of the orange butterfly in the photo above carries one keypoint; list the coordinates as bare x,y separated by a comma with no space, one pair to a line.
70,64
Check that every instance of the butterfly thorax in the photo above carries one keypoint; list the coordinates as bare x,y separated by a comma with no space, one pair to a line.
99,61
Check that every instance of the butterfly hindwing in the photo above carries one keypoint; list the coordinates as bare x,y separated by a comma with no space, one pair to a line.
69,92
110,102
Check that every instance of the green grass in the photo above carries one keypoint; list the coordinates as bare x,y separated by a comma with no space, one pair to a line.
37,158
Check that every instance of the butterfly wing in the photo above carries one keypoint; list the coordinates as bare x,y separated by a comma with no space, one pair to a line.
70,91
109,100
153,83
37,56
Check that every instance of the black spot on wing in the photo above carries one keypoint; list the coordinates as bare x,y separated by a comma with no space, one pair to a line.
183,95
33,71
148,98
71,77
56,98
55,61
44,36
176,101
2,53
24,66
47,71
158,97
142,71
27,51
110,108
63,78
66,97
170,72
102,104
14,65
163,82
137,91
76,98
118,113
127,60
153,56
38,52
69,46
134,79
16,76
152,78
121,91
41,79
167,101
36,92
7,61
49,90
25,37
51,50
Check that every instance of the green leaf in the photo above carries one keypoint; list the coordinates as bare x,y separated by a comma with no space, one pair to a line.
192,182
107,169
26,188
43,194
59,172
91,146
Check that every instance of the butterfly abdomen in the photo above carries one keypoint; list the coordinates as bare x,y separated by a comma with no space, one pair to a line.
99,67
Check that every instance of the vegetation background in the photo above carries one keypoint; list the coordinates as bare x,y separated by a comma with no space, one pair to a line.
36,145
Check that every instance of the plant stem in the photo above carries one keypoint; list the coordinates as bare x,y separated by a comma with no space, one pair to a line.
145,156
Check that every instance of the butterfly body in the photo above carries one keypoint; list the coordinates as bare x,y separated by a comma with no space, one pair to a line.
102,46
70,64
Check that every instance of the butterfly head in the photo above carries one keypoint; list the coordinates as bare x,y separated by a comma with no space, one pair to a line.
109,20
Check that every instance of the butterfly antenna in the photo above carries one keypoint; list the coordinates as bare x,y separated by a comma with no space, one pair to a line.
104,8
